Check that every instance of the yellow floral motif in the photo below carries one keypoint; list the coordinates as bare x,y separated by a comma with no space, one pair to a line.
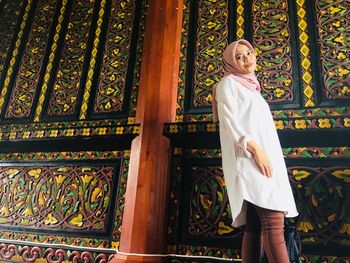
191,128
347,122
224,229
210,67
119,130
60,178
300,174
179,118
339,39
177,150
39,134
53,133
12,135
115,244
334,10
41,260
324,123
108,105
95,194
332,217
12,172
102,131
131,120
209,98
279,92
4,210
86,131
345,90
69,132
126,153
86,179
211,127
35,173
336,24
209,82
136,130
115,64
279,125
211,25
345,229
22,98
78,220
343,72
220,180
42,199
211,38
50,220
305,226
342,174
173,128
211,52
287,82
26,134
285,32
27,212
283,18
212,11
300,124
65,107
206,203
341,55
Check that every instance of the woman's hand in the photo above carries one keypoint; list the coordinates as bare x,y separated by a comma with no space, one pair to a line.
261,158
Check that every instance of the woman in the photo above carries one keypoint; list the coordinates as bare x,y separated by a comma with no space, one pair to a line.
256,178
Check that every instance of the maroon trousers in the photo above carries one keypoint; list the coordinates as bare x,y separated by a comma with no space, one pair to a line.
264,232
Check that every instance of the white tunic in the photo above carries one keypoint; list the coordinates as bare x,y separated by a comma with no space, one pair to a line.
245,115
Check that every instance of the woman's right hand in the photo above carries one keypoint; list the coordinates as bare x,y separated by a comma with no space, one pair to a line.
261,159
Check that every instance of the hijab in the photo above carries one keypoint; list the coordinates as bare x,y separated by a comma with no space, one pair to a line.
231,67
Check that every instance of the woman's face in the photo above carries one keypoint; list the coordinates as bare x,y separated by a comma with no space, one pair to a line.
245,58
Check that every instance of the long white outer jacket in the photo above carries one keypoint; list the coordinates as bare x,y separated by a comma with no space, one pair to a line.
245,115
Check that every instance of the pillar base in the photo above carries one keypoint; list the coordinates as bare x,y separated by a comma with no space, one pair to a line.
118,258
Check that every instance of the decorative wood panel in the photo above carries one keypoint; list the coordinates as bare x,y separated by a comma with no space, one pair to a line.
333,38
305,58
55,190
272,39
56,57
30,253
199,198
202,44
284,34
10,12
13,57
65,91
63,198
112,93
24,90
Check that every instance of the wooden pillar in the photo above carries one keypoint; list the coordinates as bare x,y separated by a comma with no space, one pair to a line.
145,216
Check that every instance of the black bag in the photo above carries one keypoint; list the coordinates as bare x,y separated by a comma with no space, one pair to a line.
293,243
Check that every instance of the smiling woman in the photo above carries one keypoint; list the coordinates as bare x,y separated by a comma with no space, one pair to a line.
256,178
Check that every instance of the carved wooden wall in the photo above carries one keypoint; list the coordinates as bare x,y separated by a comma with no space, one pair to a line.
304,67
69,74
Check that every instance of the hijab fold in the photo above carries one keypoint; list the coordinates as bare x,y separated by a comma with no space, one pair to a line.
231,67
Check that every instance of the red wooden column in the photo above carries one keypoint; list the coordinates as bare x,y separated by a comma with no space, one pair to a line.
145,213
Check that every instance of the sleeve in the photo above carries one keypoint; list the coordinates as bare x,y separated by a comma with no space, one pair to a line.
226,97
